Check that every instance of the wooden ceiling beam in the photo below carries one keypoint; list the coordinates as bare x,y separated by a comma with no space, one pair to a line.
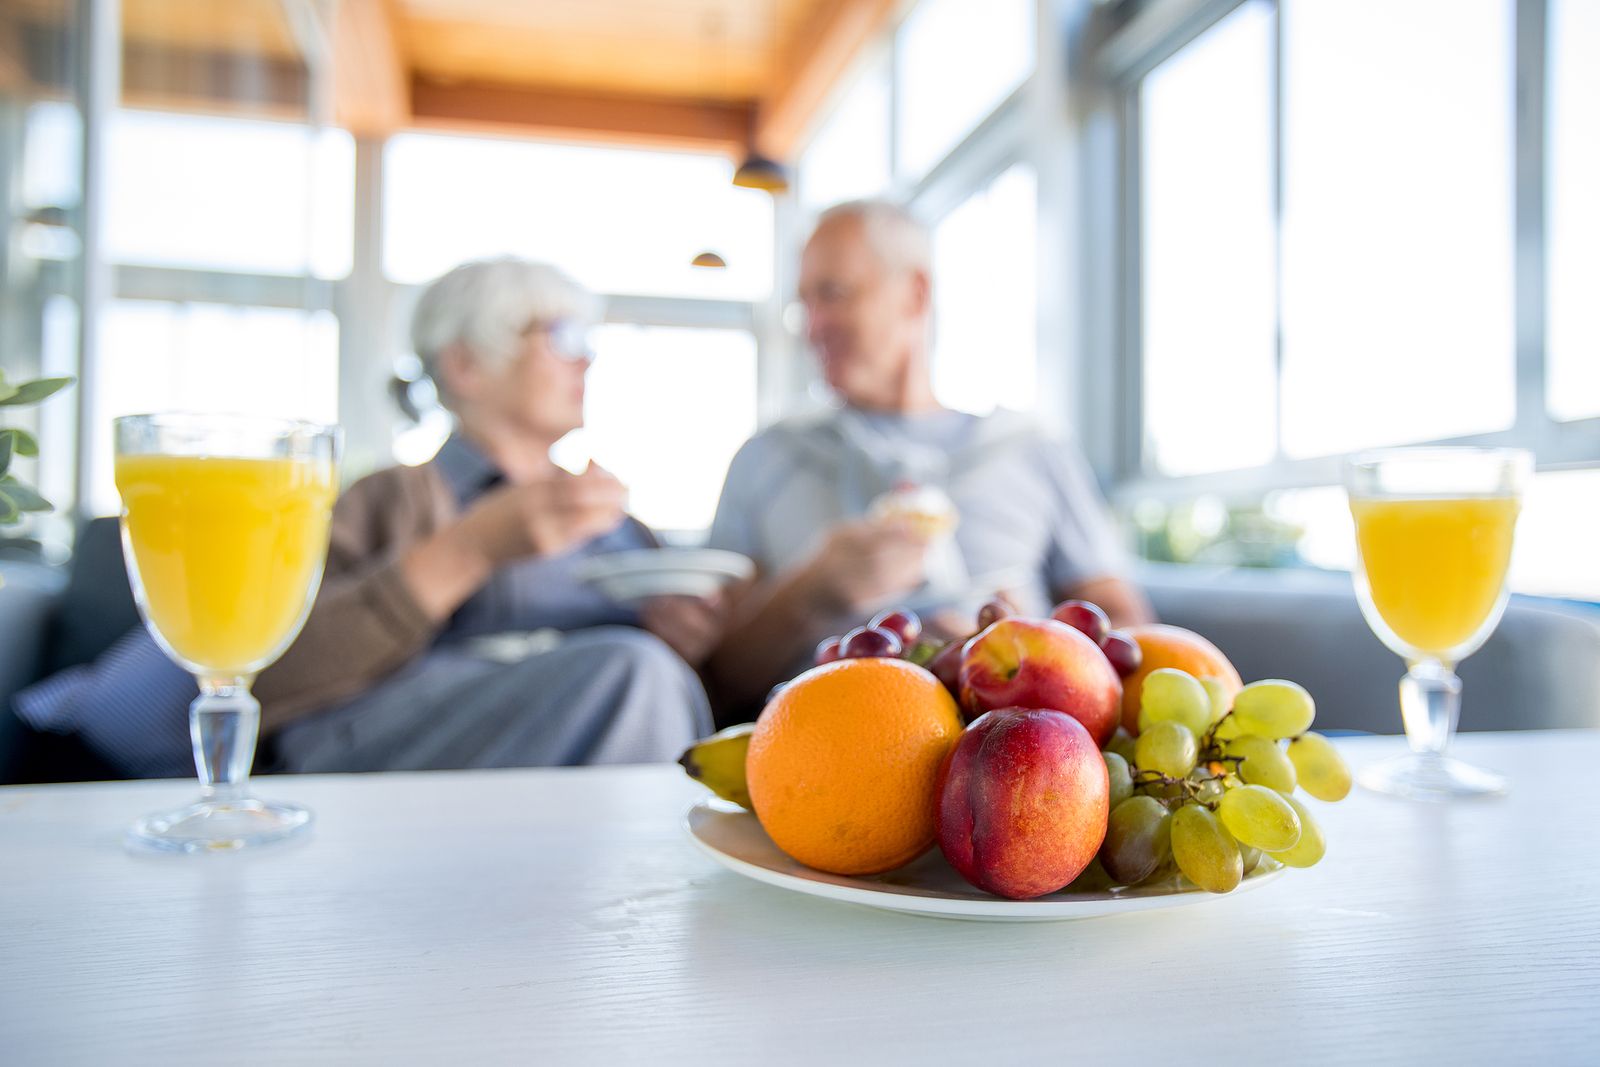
718,126
372,93
810,65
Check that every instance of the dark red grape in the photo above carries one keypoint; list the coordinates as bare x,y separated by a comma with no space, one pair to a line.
865,643
1123,652
993,612
1084,617
946,666
903,624
828,650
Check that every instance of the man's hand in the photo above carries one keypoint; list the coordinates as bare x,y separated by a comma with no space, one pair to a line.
691,625
863,563
544,517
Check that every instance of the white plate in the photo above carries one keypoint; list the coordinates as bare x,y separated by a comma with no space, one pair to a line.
929,886
648,572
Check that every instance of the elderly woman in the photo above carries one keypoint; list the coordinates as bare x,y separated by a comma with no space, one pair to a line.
396,668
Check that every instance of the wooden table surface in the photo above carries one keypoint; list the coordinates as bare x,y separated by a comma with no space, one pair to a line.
561,916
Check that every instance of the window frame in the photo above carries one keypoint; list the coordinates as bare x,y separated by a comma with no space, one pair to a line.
1157,31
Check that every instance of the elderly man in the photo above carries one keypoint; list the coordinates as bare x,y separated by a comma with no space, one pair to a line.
804,497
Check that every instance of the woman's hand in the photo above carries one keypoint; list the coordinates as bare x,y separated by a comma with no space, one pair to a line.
544,517
691,625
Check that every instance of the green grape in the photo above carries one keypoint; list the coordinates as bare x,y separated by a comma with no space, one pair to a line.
1259,817
1159,788
1323,772
1226,729
1311,847
1122,744
1121,779
1138,840
1262,762
1206,852
1250,856
1207,786
1221,703
1273,708
1167,747
1092,879
1171,695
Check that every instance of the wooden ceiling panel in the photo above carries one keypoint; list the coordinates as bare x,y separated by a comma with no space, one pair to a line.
678,49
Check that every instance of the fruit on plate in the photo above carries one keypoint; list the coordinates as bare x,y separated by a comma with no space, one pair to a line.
1123,652
1160,646
946,666
1023,800
1084,617
857,766
843,766
717,762
1041,663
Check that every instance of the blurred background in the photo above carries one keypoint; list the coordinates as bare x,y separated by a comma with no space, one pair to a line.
1221,243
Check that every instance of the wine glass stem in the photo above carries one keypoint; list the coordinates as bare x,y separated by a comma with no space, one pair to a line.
223,723
1430,703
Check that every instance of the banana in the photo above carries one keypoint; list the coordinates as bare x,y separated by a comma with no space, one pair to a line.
717,762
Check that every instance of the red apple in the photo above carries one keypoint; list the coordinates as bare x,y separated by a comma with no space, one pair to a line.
1041,663
1023,799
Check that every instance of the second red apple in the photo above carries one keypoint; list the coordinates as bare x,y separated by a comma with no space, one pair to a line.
1041,663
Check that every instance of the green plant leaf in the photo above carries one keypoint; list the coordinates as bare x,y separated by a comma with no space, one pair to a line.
23,495
9,512
35,391
7,391
23,443
5,452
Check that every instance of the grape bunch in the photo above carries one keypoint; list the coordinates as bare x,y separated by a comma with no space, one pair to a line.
1207,787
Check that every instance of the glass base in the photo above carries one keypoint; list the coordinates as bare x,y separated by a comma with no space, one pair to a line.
219,826
1431,777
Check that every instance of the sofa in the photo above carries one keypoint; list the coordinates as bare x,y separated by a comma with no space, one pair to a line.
1540,670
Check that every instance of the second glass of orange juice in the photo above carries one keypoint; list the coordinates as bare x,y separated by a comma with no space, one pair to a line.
1433,536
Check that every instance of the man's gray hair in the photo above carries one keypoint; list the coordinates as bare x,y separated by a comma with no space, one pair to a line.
485,306
894,234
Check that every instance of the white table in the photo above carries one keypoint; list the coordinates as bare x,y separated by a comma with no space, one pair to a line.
561,917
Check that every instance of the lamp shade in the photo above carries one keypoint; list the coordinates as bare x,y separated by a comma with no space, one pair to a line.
759,172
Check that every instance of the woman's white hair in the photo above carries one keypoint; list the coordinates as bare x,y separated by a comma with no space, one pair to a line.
486,306
893,233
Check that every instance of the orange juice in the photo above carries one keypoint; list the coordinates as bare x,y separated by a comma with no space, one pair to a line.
1435,565
228,551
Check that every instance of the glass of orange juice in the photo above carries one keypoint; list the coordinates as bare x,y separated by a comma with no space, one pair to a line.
1433,536
225,529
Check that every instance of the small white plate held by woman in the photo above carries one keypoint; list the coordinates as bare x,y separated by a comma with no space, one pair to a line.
928,886
649,572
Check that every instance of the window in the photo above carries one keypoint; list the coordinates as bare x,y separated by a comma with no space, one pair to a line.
1397,275
229,194
619,220
1208,316
957,60
985,322
665,410
1572,338
162,356
849,157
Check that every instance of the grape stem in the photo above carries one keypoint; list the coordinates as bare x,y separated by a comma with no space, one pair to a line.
1190,786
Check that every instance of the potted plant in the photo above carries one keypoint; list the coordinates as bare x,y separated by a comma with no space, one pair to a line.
17,496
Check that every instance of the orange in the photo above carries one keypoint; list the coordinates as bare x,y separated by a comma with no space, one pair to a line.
844,762
1172,646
